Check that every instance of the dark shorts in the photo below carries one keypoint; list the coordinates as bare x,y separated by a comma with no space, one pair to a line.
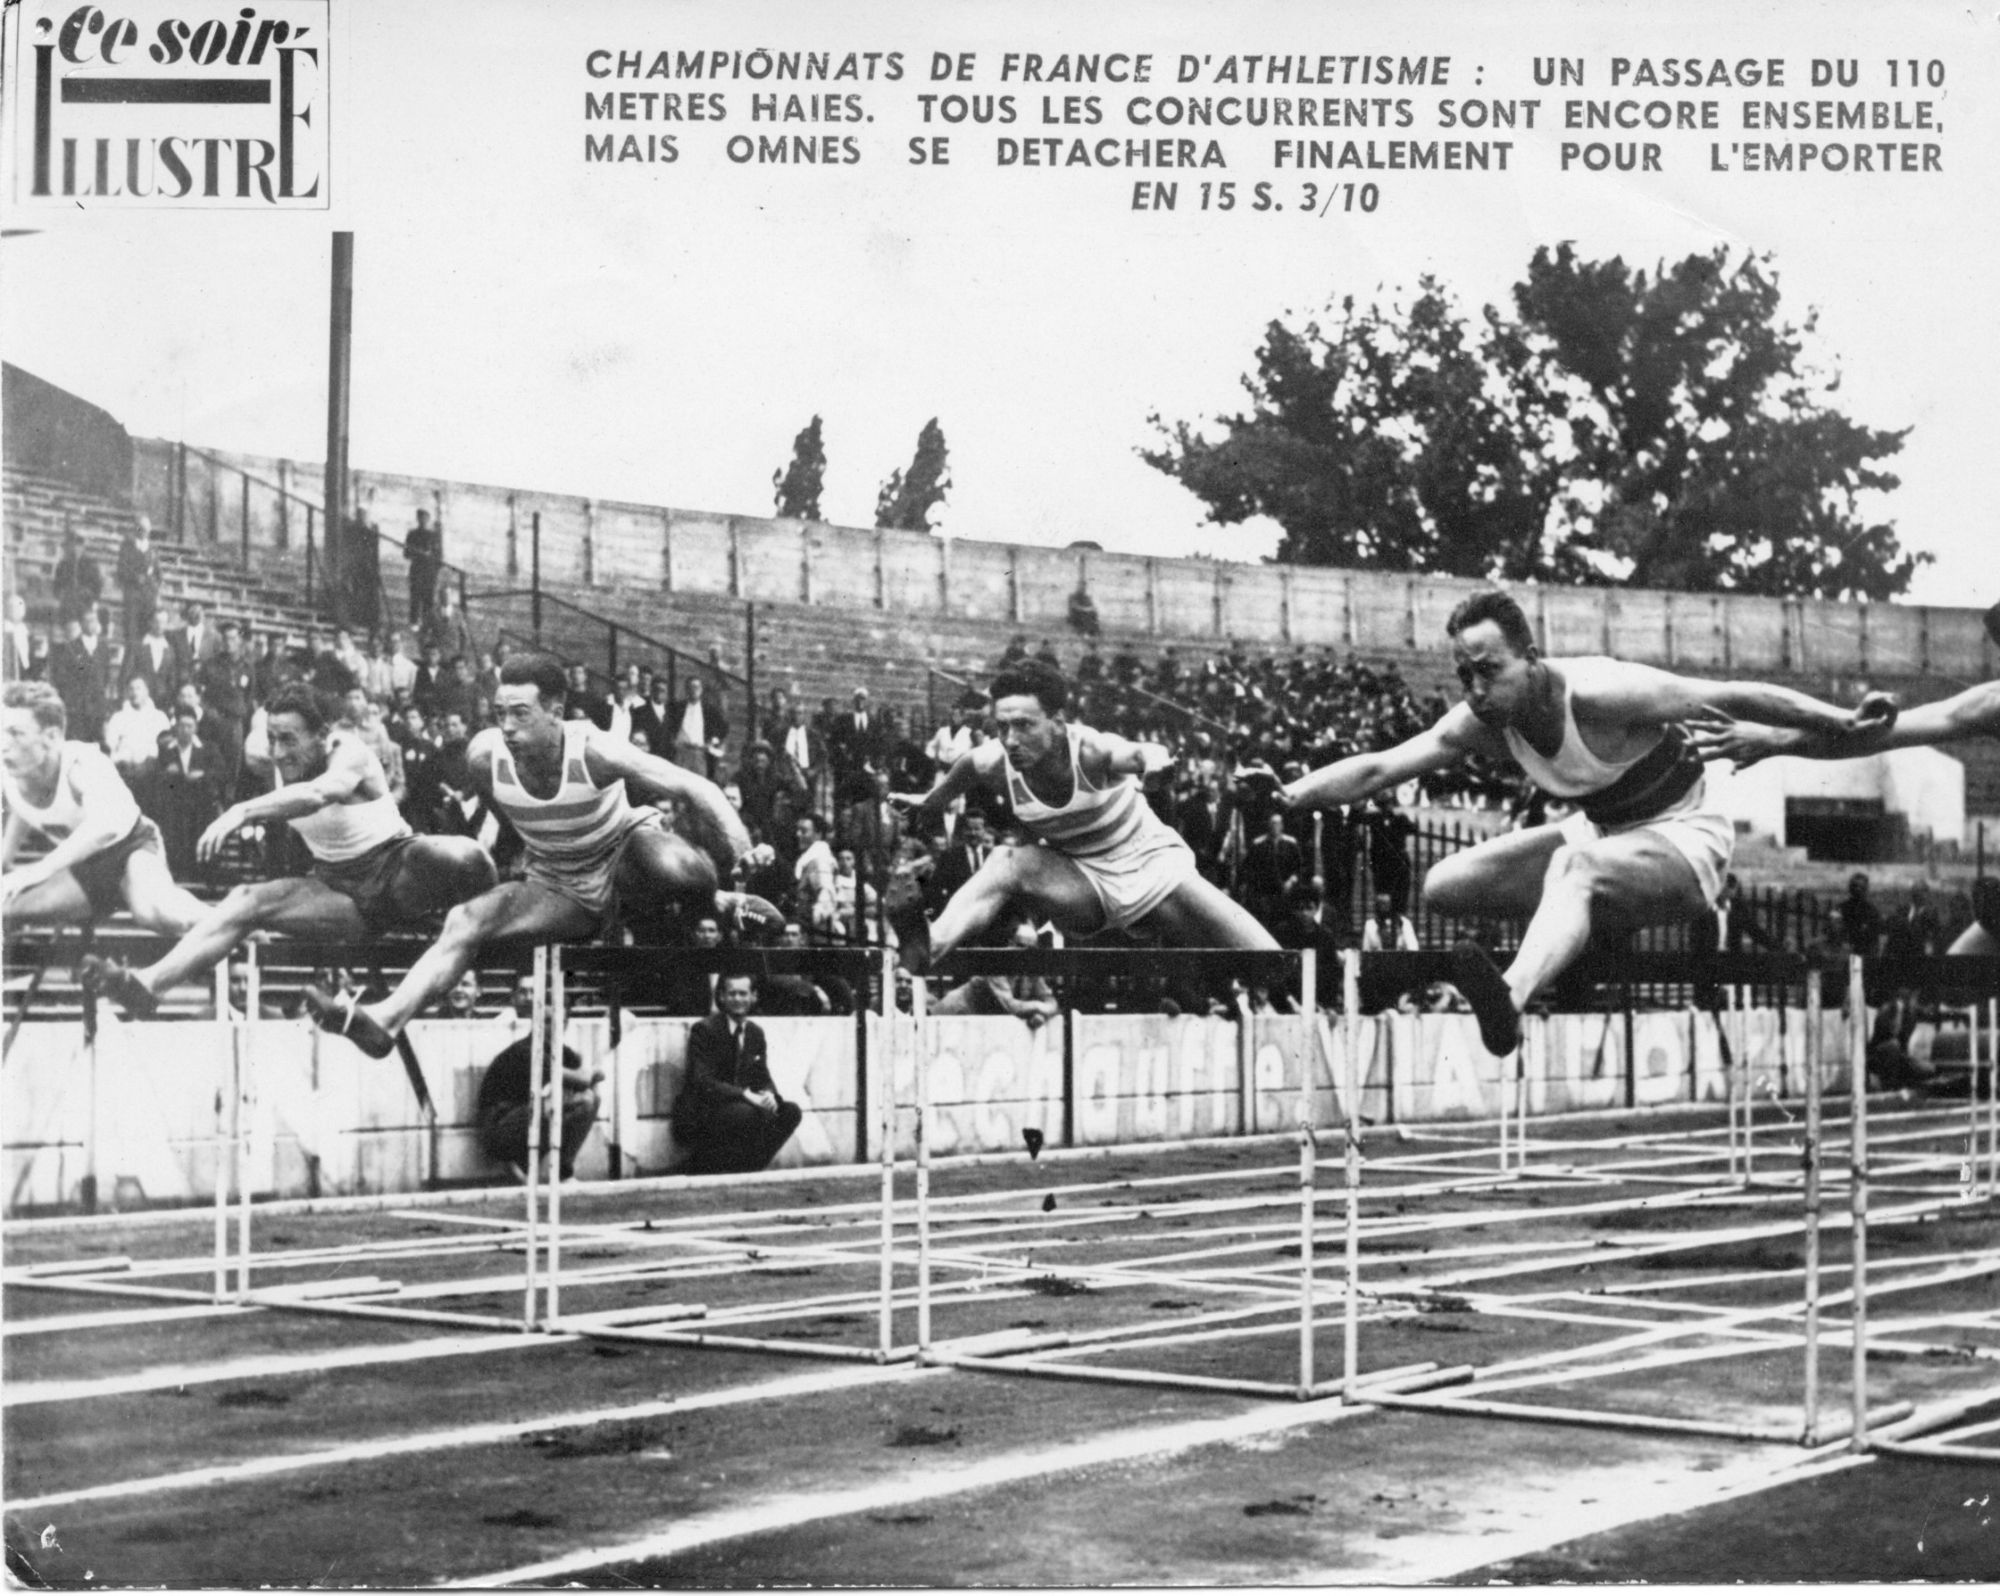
370,882
102,875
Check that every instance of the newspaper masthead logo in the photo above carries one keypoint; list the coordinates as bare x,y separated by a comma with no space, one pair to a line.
172,105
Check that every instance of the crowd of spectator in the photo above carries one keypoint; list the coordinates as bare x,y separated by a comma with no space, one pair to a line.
178,709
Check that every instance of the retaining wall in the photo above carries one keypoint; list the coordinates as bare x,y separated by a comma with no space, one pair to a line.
633,550
140,1114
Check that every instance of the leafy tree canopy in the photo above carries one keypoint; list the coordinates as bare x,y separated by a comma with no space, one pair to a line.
1614,428
907,499
798,485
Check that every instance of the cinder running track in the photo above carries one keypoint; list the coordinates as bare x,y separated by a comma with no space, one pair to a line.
1621,1273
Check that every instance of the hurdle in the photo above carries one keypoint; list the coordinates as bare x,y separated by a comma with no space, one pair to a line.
911,1234
544,1230
1740,971
1005,1354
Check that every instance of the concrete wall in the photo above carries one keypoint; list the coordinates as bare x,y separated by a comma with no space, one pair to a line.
54,433
633,549
140,1112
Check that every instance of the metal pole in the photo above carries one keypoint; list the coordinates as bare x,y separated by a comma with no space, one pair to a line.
615,1142
550,1122
750,670
1350,1113
1857,1056
246,518
919,1001
1068,1078
339,381
246,1094
1972,1106
538,1018
886,1092
224,1093
238,1175
1308,987
1809,1159
1992,1096
535,575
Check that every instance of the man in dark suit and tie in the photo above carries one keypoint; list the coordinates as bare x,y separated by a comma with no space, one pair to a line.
729,1116
960,862
856,740
80,670
151,659
194,643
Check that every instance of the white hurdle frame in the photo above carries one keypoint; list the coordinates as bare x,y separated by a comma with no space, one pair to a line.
543,1237
1810,1160
1349,1388
1308,1158
1857,1058
885,1076
921,1029
1350,1116
539,1018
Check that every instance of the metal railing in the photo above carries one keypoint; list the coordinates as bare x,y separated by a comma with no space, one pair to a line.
362,605
520,617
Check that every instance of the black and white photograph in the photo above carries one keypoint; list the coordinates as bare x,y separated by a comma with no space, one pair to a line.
999,795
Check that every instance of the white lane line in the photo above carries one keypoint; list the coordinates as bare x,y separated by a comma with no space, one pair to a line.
794,1509
1559,1529
273,1368
470,1435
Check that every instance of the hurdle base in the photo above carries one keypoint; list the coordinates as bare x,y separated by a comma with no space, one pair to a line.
729,1343
1422,1374
1587,1418
1940,1451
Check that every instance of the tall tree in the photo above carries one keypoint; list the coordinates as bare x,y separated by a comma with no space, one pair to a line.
798,485
1613,429
908,497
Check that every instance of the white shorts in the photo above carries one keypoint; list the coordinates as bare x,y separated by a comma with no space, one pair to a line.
1137,879
1704,838
593,882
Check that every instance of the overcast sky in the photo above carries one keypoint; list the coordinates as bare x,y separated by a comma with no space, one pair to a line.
659,333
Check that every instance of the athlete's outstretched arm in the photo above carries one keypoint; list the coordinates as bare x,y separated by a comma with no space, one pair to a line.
344,772
1641,693
1112,755
1972,713
718,830
1350,780
967,772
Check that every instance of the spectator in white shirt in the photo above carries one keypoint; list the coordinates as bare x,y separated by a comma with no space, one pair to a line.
132,734
814,872
1386,918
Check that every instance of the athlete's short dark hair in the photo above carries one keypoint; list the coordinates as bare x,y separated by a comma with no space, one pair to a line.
1034,679
543,672
297,698
1499,608
43,699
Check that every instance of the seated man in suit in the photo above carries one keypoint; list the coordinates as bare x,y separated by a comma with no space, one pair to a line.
729,1116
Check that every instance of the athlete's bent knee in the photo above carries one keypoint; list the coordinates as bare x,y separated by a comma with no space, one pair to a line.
471,867
467,922
1448,888
1581,871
